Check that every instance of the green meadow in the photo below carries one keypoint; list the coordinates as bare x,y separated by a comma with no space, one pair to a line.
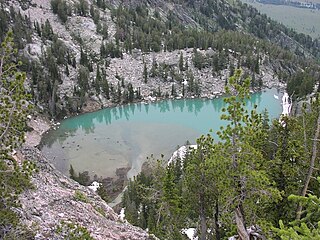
303,20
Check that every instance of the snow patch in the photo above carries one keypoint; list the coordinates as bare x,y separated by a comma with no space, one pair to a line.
191,233
286,105
181,152
122,214
94,186
286,108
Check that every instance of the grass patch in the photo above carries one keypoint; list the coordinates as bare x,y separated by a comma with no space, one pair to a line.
80,196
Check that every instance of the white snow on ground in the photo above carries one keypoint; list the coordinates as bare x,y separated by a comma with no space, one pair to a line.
181,152
286,108
122,214
190,232
286,105
94,186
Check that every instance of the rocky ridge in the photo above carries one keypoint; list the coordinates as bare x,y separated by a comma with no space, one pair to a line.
57,201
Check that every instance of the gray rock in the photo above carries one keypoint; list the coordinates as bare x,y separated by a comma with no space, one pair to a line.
53,201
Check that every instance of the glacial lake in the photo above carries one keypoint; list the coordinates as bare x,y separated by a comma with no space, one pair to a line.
124,136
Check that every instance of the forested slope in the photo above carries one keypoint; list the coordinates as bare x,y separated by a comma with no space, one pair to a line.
110,52
256,179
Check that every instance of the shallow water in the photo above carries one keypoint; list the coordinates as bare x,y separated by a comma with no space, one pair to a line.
125,136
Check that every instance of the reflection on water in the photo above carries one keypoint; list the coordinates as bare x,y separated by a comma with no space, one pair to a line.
125,136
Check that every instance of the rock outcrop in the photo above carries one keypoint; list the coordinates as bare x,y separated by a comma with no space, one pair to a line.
56,200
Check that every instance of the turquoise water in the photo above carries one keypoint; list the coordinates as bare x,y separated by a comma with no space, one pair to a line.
125,136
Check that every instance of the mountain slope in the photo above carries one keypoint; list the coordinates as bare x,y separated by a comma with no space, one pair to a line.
109,52
58,205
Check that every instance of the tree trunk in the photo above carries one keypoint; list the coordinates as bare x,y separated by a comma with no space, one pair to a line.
203,222
216,221
241,227
311,167
202,204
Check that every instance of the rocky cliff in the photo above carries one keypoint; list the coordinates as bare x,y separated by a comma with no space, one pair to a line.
57,205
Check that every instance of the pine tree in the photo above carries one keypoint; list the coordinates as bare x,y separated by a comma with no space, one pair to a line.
14,177
105,88
239,137
183,90
204,185
82,8
102,192
145,73
307,228
153,70
119,93
67,70
173,91
72,173
256,66
313,152
181,62
130,93
98,80
83,58
83,80
104,31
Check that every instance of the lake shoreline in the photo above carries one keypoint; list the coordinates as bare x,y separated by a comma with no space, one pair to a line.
96,106
51,126
41,124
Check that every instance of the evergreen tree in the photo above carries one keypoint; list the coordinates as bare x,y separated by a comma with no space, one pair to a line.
249,182
105,87
119,93
256,66
104,31
61,8
130,93
47,31
186,67
82,7
307,228
173,91
181,62
313,152
145,73
204,183
14,177
67,70
72,173
84,58
153,70
83,80
98,80
102,192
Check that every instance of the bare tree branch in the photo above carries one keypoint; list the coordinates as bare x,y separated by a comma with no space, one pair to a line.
311,167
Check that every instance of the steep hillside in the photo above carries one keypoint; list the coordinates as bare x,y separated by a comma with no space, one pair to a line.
56,206
84,55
